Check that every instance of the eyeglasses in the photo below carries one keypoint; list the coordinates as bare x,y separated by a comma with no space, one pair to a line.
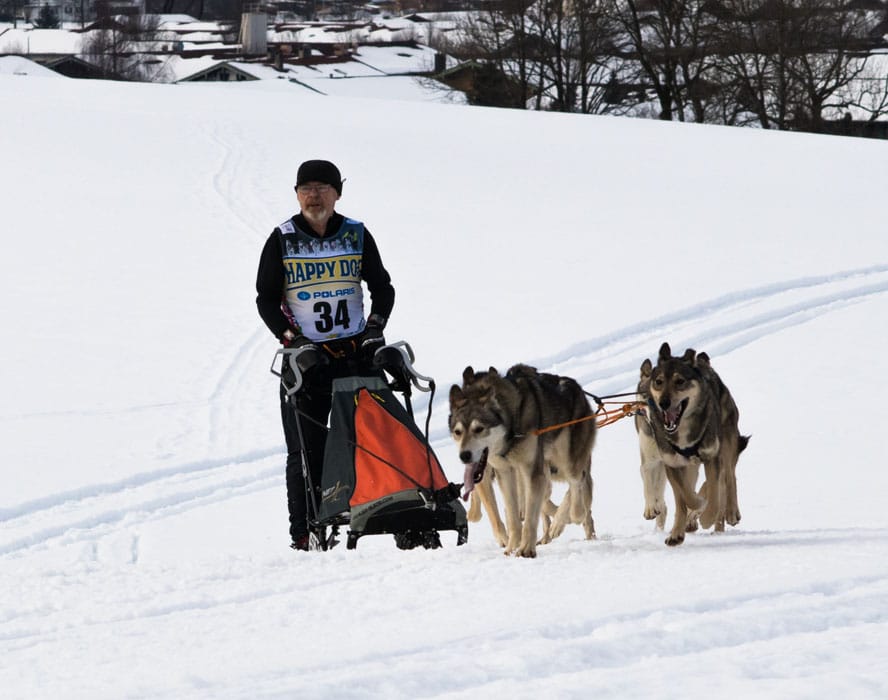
317,189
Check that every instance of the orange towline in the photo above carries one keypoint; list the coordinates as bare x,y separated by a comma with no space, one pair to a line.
602,416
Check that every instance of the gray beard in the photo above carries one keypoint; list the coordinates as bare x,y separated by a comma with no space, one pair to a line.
317,216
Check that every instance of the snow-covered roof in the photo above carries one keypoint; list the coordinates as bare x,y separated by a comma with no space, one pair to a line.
40,41
396,59
19,65
179,69
342,79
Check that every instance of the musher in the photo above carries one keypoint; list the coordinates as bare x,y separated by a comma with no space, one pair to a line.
309,293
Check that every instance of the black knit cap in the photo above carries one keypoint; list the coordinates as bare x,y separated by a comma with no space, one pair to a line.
319,171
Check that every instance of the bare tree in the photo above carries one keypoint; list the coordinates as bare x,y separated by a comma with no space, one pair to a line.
671,43
497,40
552,54
869,94
789,61
575,38
117,48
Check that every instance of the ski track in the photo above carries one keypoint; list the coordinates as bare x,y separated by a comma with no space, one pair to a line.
858,598
228,184
606,364
609,364
595,640
92,511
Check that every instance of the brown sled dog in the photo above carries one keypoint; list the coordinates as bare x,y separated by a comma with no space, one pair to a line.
483,495
493,419
691,420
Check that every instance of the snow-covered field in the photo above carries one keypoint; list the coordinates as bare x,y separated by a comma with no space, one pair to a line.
143,532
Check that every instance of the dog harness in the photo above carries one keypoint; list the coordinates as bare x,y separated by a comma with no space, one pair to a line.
322,293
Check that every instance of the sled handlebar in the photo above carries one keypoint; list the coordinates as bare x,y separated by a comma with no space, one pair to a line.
396,358
385,358
292,355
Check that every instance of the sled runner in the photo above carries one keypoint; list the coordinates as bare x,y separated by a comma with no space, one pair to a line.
380,475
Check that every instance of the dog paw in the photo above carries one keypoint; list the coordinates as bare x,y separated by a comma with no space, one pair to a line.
555,530
655,510
692,525
733,518
675,540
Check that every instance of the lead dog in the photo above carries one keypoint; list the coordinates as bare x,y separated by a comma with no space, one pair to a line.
494,419
691,420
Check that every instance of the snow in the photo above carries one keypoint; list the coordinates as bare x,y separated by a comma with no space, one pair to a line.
19,65
373,72
143,547
40,41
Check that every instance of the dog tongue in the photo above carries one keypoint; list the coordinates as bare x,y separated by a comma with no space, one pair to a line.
469,479
672,415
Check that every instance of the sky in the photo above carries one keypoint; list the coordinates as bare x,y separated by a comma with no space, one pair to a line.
143,528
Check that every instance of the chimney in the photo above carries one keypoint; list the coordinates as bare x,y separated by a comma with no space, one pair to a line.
254,31
440,63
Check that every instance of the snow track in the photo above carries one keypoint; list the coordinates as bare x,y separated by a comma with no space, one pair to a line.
609,364
143,543
604,365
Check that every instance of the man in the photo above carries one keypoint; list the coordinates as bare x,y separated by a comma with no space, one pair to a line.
310,293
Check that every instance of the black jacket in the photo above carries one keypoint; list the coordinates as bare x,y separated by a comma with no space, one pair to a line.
270,277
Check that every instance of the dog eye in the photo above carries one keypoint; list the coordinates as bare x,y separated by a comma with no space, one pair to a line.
679,381
478,429
457,432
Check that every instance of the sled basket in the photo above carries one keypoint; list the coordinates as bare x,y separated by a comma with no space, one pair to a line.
380,471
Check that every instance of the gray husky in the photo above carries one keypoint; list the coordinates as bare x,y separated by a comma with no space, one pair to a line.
495,420
691,420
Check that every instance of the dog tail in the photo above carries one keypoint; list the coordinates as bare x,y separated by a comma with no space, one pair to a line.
742,443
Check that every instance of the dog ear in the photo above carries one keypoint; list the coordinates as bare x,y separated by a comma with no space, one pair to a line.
689,355
468,375
665,351
457,397
492,371
646,368
702,361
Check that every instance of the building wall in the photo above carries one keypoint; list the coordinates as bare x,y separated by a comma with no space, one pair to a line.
70,10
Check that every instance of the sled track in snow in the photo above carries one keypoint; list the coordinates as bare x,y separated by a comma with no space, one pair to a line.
604,365
611,644
97,511
609,364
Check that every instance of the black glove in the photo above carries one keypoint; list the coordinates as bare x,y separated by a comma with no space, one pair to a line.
373,338
292,340
311,355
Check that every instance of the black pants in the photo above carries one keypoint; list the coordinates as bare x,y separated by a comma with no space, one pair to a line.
312,402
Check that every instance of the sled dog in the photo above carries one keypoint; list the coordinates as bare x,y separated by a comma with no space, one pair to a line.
494,419
691,420
483,495
653,471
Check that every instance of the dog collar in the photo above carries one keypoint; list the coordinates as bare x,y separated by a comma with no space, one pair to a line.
686,452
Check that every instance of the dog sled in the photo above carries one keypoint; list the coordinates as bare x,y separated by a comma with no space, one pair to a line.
380,475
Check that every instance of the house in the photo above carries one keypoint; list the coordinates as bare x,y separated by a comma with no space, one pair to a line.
219,71
74,67
80,10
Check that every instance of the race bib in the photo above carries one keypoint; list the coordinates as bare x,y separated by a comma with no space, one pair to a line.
322,277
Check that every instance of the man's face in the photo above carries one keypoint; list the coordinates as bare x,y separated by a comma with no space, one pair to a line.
317,199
